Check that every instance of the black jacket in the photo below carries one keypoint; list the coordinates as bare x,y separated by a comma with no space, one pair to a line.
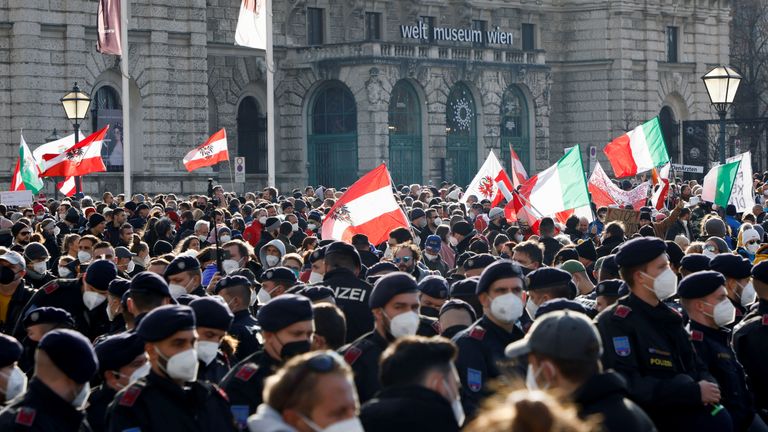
245,329
749,343
551,248
98,402
351,296
40,409
244,383
362,356
608,245
606,394
19,300
408,409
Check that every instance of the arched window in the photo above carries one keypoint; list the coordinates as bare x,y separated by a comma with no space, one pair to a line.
252,135
332,138
107,109
404,134
461,131
670,129
515,128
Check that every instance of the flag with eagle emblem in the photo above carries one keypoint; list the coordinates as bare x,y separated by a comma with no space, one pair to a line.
491,182
80,159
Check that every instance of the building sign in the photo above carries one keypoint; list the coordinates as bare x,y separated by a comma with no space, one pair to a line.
421,31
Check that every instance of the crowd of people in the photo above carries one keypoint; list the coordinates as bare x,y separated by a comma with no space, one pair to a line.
220,312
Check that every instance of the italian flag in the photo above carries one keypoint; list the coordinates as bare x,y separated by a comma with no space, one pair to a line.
26,174
718,183
638,150
563,186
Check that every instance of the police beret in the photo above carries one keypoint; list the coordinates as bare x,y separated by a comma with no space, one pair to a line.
316,292
695,262
433,242
464,288
230,281
609,264
639,251
281,274
163,322
317,255
434,286
501,269
100,273
760,272
463,257
10,350
479,261
284,310
48,315
118,350
731,266
461,228
586,250
382,267
455,303
389,286
608,288
95,219
161,247
417,213
675,252
35,251
557,304
272,224
72,353
118,287
212,312
700,284
566,254
547,277
150,283
573,266
181,264
339,247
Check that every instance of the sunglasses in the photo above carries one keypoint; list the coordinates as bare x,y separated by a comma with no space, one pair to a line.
404,260
753,242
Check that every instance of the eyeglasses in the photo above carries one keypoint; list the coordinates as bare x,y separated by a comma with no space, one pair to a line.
751,242
404,260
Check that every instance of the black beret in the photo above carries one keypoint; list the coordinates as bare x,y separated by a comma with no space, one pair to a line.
100,273
760,272
609,264
464,287
557,304
95,219
185,299
161,247
417,213
639,251
10,350
381,267
48,315
118,287
675,252
547,277
118,350
389,286
695,262
212,312
461,228
279,274
731,266
434,286
608,288
181,264
700,284
163,322
317,255
458,304
566,254
586,250
479,261
501,269
463,257
339,247
36,251
231,281
284,310
150,283
72,353
316,292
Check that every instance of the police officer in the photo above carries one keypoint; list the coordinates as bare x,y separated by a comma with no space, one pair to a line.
607,293
545,284
645,341
148,291
455,316
481,346
121,362
274,282
236,291
693,263
287,327
13,381
57,393
170,398
737,272
115,291
342,266
395,304
433,292
37,323
213,319
184,277
710,311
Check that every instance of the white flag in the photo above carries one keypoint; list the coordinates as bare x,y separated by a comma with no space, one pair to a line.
252,24
484,185
742,195
54,147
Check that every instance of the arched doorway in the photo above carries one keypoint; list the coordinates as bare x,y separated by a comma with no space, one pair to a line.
252,135
107,109
404,134
515,128
332,137
461,134
670,129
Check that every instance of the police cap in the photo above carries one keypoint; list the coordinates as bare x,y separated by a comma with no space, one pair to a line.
181,264
639,251
731,266
48,315
434,286
100,273
695,262
163,322
118,350
72,353
608,288
389,286
279,274
10,350
501,269
212,312
283,311
700,284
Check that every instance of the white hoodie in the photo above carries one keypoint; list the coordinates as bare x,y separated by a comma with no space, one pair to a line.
267,419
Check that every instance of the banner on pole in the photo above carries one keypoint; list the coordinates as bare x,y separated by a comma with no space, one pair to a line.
742,194
108,28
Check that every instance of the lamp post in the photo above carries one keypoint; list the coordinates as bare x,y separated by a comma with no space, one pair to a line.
722,83
76,105
53,137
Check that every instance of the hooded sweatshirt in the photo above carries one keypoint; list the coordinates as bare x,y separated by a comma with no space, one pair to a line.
263,256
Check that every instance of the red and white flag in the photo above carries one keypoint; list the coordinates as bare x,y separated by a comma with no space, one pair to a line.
367,207
519,176
17,183
660,186
486,183
212,152
605,193
67,187
252,24
81,159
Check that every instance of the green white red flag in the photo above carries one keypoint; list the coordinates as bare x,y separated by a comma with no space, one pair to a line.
638,150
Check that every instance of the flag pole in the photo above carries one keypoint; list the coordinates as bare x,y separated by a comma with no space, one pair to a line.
530,204
270,100
231,176
126,99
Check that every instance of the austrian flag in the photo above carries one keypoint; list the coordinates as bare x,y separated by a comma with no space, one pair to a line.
80,159
212,152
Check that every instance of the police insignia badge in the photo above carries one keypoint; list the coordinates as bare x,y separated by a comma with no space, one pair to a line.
474,379
621,346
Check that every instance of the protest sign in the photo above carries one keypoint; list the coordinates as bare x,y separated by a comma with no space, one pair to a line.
17,198
630,219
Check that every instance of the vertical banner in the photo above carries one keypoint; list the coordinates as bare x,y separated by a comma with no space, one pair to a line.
108,23
112,149
742,194
252,24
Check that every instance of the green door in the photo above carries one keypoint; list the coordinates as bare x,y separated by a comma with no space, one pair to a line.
404,135
514,128
461,136
332,139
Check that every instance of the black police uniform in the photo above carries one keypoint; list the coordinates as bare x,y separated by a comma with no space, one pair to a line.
156,403
650,348
98,402
351,296
606,394
481,349
363,355
714,349
749,343
244,383
408,408
428,326
16,305
215,371
245,329
43,410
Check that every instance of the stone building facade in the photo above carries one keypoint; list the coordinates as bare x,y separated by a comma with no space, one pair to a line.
431,87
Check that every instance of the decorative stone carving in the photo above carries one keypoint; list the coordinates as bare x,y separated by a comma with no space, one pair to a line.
373,86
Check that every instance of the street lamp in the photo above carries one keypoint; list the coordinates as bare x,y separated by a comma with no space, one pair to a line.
76,105
722,83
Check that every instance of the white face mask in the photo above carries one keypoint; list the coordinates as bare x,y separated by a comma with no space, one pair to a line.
531,308
748,294
140,373
405,324
295,227
752,248
272,260
176,290
438,222
422,223
56,231
429,256
229,266
263,220
507,308
665,284
40,267
724,313
79,401
254,298
130,267
181,366
349,425
64,272
92,299
84,257
206,351
312,226
224,239
709,254
530,379
263,296
202,237
456,407
453,241
518,238
16,383
315,277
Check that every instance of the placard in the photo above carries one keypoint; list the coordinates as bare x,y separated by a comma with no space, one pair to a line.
630,219
22,198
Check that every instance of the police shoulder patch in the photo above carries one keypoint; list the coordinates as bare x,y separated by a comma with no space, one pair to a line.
477,333
130,396
765,320
352,354
474,379
51,287
697,336
25,416
621,346
246,372
622,311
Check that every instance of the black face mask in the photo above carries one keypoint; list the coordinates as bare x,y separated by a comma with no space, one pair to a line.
452,331
429,311
292,349
504,255
7,275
